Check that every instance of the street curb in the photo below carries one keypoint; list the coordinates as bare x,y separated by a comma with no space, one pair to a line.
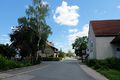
93,73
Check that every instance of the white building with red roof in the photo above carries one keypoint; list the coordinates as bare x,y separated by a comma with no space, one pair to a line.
104,39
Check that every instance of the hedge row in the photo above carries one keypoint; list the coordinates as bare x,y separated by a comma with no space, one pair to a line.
51,59
6,64
110,63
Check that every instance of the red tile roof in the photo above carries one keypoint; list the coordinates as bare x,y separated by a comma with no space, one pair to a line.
106,27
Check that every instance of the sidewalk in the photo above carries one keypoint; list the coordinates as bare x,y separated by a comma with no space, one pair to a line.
4,75
20,71
92,73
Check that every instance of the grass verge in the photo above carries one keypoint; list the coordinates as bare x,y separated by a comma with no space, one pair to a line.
110,74
109,67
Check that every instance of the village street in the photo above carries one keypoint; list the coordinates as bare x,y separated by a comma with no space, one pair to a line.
63,70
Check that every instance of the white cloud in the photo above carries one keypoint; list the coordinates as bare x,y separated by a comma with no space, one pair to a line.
63,46
84,32
73,30
118,6
66,15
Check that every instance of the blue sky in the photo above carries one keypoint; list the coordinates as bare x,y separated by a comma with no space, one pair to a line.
68,18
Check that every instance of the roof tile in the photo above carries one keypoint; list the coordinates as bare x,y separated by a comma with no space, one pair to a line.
106,27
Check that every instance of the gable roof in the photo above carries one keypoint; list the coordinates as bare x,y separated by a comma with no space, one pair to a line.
106,27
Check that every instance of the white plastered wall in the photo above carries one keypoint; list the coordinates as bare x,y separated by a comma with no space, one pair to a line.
104,49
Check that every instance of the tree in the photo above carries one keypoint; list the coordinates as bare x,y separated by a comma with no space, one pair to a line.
80,45
7,51
69,54
61,54
32,32
22,38
36,14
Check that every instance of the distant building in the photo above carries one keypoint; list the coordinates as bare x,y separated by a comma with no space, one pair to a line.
104,39
50,50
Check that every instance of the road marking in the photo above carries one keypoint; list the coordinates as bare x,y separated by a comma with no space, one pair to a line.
24,72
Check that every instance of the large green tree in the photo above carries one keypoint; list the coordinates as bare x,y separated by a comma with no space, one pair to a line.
24,39
32,32
80,45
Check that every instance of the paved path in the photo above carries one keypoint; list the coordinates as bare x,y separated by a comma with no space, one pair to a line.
63,70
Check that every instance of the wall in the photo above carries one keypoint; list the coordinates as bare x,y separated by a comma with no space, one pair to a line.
104,49
116,53
91,50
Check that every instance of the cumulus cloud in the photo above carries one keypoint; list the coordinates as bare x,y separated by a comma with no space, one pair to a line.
77,33
66,15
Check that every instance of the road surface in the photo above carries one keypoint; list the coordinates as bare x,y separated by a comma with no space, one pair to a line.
63,70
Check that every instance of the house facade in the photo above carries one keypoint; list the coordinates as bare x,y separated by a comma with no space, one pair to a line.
104,39
50,50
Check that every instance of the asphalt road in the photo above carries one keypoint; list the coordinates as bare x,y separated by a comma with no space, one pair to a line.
63,70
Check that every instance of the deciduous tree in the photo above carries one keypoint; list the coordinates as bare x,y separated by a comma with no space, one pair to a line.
80,45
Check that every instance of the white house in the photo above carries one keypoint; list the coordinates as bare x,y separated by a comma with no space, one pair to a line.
104,39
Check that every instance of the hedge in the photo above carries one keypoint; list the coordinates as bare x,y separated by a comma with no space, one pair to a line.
111,63
6,64
51,59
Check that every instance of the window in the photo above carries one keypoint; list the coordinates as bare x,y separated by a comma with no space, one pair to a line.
117,49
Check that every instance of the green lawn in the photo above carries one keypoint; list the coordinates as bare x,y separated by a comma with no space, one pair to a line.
111,74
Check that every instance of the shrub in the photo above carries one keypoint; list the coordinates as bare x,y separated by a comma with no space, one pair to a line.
26,62
62,55
112,63
7,51
6,64
50,59
91,62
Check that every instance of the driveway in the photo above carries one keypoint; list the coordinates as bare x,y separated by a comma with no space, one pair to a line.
63,70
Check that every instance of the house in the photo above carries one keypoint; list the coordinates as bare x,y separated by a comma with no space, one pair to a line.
50,50
104,39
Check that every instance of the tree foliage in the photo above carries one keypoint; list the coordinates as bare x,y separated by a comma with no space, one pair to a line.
7,50
79,45
61,54
70,54
32,31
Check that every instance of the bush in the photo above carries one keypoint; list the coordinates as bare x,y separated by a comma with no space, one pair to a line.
50,59
7,51
6,64
112,63
26,62
91,62
62,55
